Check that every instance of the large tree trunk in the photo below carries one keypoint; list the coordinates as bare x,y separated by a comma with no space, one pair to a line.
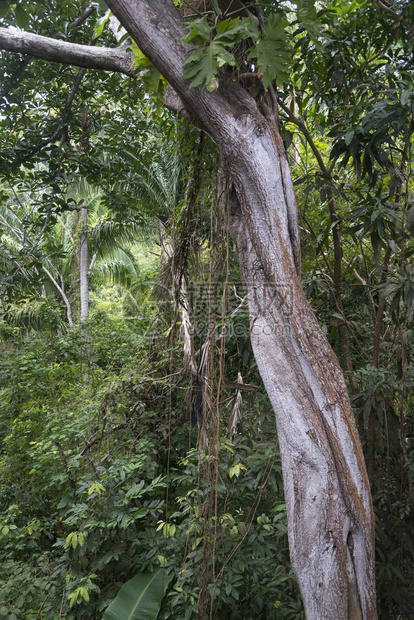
326,487
331,530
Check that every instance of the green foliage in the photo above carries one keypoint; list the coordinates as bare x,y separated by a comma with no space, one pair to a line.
203,64
378,219
22,17
400,290
91,458
269,49
139,598
249,535
4,7
150,76
274,52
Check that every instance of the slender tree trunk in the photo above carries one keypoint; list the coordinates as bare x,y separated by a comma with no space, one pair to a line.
331,529
61,290
84,263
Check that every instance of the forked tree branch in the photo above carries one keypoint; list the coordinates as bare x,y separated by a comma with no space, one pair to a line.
87,56
62,293
385,8
83,16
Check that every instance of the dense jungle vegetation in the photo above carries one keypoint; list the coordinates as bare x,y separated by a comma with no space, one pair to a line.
135,431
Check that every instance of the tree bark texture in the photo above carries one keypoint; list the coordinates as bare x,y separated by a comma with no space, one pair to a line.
330,518
88,56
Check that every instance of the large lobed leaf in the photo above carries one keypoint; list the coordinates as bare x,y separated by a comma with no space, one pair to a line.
274,52
203,64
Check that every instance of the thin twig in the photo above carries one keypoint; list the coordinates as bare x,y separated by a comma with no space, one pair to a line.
396,17
92,442
83,16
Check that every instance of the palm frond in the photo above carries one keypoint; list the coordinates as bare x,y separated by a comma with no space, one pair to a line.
34,314
116,271
108,235
154,184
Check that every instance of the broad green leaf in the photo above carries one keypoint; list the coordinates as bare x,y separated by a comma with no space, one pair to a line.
139,598
307,16
349,136
96,487
203,64
236,469
73,598
201,69
4,7
75,538
200,31
100,24
274,53
84,594
153,80
406,95
22,17
150,76
231,31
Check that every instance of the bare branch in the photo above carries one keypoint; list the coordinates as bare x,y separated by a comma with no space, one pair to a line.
87,56
93,440
385,8
15,231
18,266
239,385
83,16
62,293
65,464
66,229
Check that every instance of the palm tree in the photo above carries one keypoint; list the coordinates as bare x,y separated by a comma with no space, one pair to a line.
54,261
55,254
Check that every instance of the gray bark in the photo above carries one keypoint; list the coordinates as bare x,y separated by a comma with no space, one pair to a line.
88,56
61,290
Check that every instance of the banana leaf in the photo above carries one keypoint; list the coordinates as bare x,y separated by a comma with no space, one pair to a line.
139,598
